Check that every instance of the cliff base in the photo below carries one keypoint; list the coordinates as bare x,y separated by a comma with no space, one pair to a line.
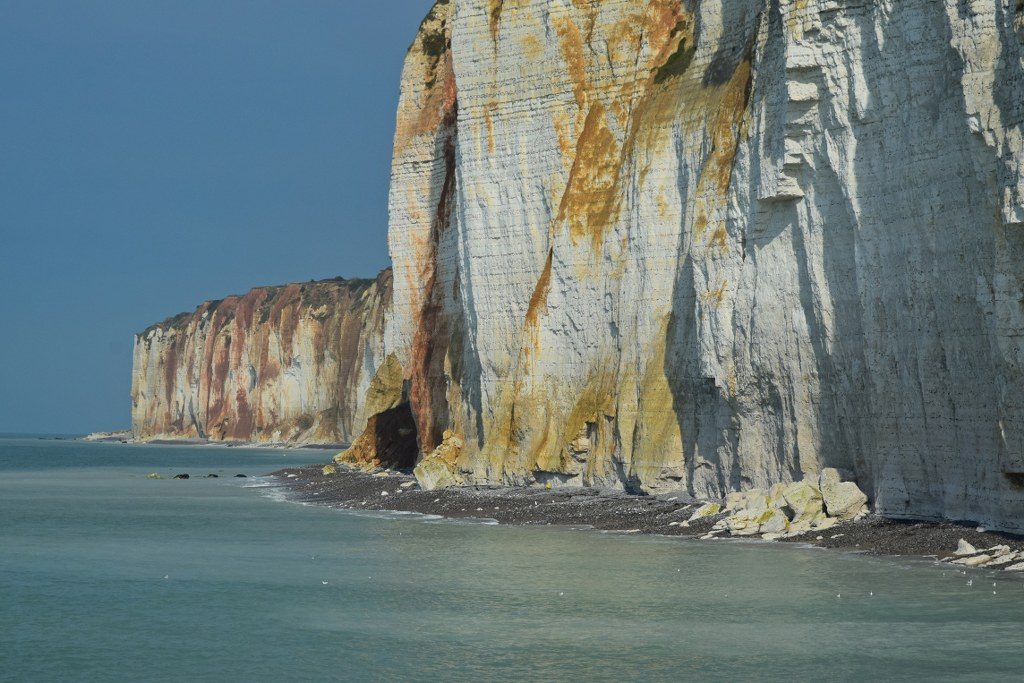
615,511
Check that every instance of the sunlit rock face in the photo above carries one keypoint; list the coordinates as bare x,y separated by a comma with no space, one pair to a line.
285,364
717,245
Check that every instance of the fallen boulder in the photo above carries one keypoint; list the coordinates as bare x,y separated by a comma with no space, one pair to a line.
1008,558
773,522
439,469
843,499
823,523
435,473
737,500
804,500
973,560
750,523
706,510
965,548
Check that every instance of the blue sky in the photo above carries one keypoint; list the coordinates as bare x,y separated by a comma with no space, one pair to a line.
154,154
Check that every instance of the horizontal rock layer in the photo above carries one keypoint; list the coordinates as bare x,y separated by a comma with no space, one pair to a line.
715,246
288,364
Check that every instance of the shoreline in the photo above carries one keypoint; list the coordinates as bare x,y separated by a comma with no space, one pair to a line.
614,511
203,443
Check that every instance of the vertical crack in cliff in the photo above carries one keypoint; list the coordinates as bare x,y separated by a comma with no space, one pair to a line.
494,19
432,338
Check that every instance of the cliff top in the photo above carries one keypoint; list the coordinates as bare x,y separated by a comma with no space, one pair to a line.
313,293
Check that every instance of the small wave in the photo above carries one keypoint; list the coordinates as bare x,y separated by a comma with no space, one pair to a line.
392,515
260,483
275,489
275,494
466,521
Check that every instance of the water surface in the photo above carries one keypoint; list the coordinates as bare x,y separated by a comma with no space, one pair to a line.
105,574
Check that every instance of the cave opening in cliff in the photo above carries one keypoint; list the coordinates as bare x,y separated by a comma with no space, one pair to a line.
389,440
395,433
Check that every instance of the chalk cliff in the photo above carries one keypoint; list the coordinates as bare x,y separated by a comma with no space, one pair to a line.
287,364
666,245
716,245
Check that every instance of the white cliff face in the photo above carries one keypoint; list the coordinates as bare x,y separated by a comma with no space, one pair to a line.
717,245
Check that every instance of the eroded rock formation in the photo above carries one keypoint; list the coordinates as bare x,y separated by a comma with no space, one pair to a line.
288,364
666,244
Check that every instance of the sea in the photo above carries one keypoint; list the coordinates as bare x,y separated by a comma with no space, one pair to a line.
106,574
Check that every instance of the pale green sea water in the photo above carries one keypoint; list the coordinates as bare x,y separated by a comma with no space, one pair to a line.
86,542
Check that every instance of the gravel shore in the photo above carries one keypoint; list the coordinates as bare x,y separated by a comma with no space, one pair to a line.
610,511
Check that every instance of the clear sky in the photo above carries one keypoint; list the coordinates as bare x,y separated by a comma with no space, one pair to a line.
157,153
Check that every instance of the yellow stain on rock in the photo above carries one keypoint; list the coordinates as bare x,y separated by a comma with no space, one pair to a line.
716,296
489,109
385,390
570,41
727,129
656,440
796,17
732,381
662,202
539,298
494,17
547,447
533,48
592,196
719,238
603,123
564,132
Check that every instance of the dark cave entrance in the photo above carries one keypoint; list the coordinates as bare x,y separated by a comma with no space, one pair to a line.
394,432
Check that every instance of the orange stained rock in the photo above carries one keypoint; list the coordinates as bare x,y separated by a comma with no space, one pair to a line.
489,110
540,293
592,196
570,41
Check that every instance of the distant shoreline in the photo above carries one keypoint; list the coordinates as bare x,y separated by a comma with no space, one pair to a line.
613,511
126,438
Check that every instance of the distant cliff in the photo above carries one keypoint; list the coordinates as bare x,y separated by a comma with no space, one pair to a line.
278,365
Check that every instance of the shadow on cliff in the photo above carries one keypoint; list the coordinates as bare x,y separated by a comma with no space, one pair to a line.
924,403
899,397
705,416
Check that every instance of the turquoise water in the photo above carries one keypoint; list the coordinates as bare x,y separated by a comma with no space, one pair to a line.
106,575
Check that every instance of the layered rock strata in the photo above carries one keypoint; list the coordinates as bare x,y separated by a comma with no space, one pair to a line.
291,364
715,246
